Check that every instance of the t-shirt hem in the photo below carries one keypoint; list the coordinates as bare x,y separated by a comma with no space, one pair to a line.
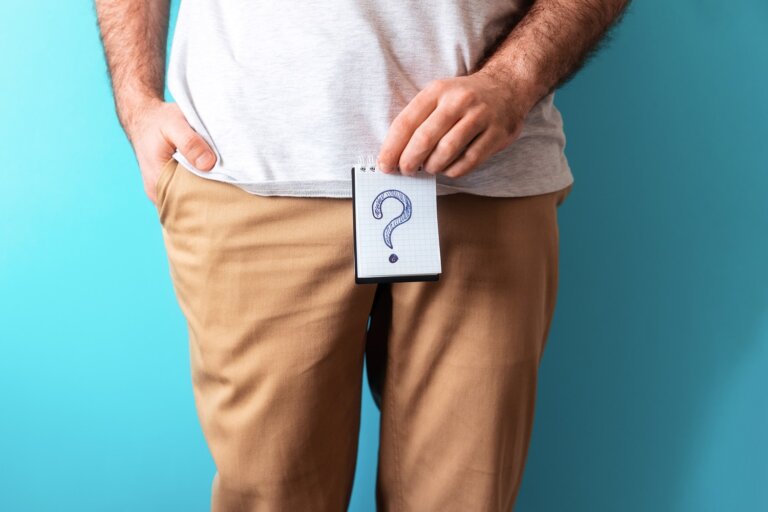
342,189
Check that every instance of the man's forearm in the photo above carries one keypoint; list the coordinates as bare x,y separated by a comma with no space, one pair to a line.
550,44
134,35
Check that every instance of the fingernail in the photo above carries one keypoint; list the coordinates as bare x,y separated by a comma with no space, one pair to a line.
386,168
204,160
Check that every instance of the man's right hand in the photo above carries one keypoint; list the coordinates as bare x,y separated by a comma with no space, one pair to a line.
157,130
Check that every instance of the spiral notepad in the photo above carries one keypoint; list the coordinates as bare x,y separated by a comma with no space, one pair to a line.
395,226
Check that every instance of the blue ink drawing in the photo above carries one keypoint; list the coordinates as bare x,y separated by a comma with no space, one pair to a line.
400,219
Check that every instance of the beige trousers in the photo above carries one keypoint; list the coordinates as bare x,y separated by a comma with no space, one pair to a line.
277,332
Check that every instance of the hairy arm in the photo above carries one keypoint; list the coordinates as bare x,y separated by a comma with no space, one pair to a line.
454,124
134,34
551,43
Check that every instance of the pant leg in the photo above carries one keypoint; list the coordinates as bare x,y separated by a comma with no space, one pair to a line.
463,355
276,331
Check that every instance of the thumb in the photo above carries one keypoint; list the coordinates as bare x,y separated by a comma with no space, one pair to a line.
191,144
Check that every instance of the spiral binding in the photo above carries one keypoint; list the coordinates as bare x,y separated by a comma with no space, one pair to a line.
368,164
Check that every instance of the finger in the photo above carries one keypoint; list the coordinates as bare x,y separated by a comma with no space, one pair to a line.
194,148
427,136
402,128
476,152
452,144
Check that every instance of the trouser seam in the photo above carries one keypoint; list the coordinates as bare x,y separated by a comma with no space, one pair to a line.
395,441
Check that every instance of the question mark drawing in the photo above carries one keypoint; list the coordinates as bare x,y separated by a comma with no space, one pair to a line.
400,219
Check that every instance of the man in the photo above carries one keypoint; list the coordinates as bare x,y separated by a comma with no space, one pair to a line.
249,171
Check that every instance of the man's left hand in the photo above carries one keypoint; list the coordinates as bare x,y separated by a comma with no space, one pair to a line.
452,126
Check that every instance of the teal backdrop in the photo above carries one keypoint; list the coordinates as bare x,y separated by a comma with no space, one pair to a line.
653,392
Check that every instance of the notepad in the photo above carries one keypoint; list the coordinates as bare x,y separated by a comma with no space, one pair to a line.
395,226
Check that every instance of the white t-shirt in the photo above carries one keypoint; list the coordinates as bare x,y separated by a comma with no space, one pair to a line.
292,94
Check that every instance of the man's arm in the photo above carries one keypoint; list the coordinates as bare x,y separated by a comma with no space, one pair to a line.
454,124
551,43
134,35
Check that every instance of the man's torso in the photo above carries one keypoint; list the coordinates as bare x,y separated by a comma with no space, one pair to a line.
291,95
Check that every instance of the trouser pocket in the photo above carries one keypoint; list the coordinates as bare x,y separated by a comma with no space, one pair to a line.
161,185
163,181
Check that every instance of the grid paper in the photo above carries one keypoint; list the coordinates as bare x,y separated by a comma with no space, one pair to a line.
415,242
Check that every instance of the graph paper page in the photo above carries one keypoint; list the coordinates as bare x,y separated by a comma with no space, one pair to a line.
396,224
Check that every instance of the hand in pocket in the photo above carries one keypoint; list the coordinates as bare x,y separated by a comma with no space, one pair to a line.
155,133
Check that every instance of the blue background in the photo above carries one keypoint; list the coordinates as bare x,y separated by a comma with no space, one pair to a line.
653,388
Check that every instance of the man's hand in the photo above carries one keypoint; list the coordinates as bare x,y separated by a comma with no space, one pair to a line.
156,131
134,34
453,125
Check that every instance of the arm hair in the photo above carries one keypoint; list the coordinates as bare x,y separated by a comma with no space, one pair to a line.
134,35
554,39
